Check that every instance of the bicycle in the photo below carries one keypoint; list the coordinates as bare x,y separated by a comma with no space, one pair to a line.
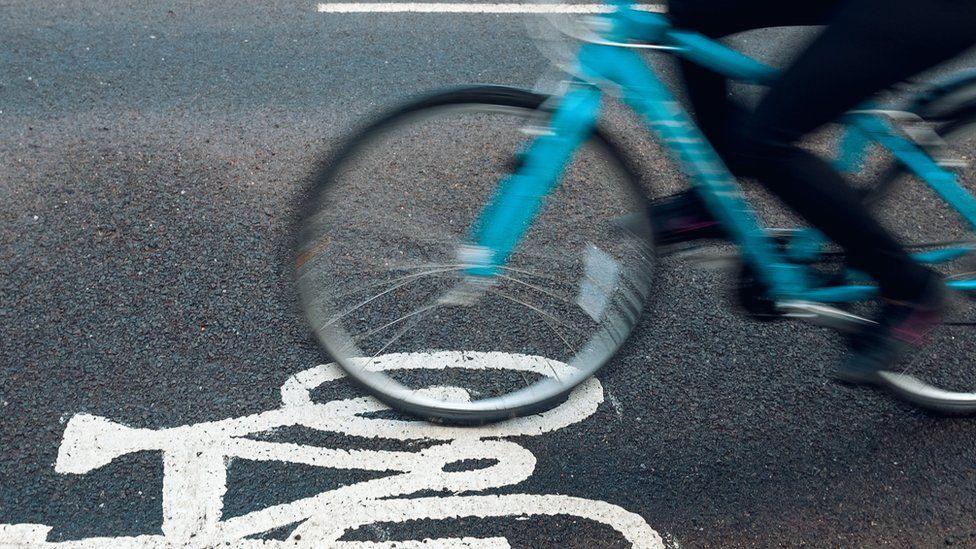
528,255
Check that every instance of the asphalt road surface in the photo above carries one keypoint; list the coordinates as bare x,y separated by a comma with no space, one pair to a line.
160,387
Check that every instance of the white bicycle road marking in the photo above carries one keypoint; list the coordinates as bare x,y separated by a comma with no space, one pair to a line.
196,457
442,7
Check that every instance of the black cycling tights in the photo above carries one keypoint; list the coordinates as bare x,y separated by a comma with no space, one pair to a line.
867,46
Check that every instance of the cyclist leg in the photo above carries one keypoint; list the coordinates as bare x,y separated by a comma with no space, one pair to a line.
868,46
682,217
708,90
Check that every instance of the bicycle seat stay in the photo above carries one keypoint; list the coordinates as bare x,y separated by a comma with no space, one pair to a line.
551,256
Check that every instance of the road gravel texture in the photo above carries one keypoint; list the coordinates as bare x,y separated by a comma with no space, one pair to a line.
151,158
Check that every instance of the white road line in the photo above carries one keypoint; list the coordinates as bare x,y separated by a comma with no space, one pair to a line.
196,459
439,7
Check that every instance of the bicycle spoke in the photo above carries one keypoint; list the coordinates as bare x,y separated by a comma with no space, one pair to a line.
542,314
361,304
538,289
414,322
553,368
434,270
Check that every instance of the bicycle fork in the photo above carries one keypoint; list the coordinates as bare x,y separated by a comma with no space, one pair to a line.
520,196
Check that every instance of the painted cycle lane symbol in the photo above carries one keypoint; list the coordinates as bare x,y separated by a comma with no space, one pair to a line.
195,459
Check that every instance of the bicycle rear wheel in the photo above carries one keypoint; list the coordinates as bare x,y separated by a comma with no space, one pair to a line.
941,377
384,247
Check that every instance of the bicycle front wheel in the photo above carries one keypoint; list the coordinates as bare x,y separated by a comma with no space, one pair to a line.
384,250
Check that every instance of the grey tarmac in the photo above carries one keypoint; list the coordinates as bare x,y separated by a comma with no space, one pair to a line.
151,158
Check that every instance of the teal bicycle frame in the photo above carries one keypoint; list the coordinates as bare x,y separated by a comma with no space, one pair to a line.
520,196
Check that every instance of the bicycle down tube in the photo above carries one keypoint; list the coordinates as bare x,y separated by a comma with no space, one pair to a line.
650,98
